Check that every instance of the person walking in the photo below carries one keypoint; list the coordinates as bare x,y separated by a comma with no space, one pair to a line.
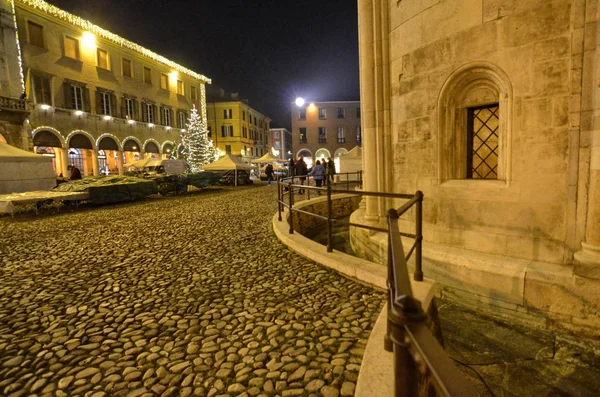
330,170
301,171
75,173
291,167
318,171
269,172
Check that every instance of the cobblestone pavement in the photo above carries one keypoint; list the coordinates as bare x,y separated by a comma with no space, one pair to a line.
178,296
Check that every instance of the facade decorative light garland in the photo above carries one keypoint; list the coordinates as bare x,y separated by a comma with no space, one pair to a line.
19,55
105,34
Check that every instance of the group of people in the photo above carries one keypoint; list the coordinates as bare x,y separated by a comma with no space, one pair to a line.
322,171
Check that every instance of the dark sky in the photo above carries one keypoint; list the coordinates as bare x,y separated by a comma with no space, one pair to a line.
270,51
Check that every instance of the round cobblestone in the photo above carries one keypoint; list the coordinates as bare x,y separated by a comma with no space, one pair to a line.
187,295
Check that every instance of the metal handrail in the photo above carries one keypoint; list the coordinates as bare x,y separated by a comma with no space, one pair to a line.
419,360
414,200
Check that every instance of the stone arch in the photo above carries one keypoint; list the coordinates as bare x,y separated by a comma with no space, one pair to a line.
167,147
108,142
152,146
129,147
48,136
304,153
472,85
340,152
322,152
77,138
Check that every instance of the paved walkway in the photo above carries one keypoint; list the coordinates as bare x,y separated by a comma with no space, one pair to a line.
175,296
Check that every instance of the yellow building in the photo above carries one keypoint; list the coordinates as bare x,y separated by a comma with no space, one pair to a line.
97,100
237,129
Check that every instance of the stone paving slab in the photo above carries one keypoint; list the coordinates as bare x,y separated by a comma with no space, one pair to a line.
176,296
504,359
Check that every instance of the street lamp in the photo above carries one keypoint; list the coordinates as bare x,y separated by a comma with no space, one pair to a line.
299,102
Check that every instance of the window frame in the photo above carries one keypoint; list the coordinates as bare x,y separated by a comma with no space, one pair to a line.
123,59
127,114
166,81
322,112
181,119
148,74
322,137
77,47
105,103
341,135
43,35
98,51
149,112
41,89
302,113
180,88
303,136
341,113
166,116
193,93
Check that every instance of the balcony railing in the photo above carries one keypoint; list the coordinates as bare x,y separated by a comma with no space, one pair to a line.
13,103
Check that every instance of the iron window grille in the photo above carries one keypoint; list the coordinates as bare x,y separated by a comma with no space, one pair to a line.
482,142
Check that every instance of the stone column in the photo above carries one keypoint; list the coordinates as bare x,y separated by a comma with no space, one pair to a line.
64,154
366,49
587,260
95,167
120,162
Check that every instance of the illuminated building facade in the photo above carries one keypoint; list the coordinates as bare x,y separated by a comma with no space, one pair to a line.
325,129
95,99
281,143
238,129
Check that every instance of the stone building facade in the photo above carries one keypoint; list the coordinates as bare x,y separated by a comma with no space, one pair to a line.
491,108
95,99
281,142
238,129
325,129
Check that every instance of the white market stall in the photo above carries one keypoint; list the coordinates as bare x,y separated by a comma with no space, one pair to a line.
228,163
23,171
268,158
351,161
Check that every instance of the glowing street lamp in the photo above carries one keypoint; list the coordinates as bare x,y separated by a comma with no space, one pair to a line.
299,102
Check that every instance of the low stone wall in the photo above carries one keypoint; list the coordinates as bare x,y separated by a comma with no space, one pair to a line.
342,205
538,293
376,377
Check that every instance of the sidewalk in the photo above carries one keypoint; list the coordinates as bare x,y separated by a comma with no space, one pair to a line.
504,359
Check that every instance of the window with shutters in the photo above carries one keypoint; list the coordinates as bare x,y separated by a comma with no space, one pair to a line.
105,103
72,47
322,135
182,119
41,88
341,135
127,68
226,131
166,116
77,97
148,112
227,114
36,34
103,59
128,107
147,75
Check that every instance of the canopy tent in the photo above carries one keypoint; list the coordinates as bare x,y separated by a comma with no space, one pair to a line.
268,158
23,171
351,161
228,163
139,163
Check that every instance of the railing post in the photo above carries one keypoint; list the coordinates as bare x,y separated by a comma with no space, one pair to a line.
329,214
291,217
279,199
308,185
418,276
347,181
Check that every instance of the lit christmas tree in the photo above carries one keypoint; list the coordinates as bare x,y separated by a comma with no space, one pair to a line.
198,149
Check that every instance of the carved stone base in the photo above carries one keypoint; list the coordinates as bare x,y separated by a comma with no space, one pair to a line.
587,261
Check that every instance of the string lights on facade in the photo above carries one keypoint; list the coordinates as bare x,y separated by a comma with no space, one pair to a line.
103,33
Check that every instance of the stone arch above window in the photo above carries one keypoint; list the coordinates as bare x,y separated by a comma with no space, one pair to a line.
474,124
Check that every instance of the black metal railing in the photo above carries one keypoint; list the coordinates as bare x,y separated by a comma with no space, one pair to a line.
421,366
302,186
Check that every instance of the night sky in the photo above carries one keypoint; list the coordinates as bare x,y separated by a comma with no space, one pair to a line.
270,51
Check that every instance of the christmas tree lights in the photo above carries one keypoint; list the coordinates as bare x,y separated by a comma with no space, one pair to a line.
198,149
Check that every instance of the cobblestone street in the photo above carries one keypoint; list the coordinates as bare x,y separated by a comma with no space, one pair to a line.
176,296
